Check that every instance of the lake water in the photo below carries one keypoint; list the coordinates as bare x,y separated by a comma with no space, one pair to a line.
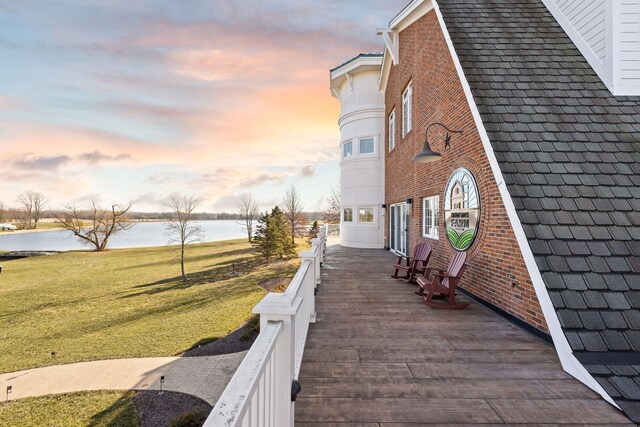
142,234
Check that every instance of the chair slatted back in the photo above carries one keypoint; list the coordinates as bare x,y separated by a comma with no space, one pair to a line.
422,252
455,266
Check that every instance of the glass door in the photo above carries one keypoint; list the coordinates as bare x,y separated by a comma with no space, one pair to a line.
398,228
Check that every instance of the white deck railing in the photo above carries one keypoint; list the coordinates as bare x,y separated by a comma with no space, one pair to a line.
261,392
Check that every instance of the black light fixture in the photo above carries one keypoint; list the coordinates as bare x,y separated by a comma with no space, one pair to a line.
427,155
409,201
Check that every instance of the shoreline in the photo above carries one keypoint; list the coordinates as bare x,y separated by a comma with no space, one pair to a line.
137,221
37,230
9,252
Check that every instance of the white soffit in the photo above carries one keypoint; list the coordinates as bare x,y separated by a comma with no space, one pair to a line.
359,64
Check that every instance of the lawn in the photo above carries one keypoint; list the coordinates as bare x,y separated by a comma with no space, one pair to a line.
43,226
49,226
90,408
126,303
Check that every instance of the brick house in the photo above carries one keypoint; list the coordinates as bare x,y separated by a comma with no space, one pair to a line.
531,110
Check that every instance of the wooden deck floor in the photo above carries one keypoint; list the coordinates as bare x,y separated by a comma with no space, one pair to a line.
378,356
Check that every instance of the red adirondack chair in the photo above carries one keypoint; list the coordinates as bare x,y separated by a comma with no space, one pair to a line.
444,283
414,265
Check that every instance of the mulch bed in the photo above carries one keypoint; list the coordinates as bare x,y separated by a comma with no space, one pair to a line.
158,410
237,340
231,343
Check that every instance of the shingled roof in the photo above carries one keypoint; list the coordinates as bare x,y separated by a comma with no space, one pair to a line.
570,154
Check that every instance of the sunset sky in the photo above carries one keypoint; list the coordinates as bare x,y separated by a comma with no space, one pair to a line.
136,100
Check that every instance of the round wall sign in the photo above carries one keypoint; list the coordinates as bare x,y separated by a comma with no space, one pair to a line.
461,209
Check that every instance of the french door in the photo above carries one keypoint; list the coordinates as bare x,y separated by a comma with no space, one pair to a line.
399,228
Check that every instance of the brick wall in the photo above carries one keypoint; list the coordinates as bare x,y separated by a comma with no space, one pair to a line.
496,271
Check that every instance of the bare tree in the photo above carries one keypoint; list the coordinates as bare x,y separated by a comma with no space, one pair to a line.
95,225
248,211
181,227
332,214
4,214
32,205
39,202
293,210
25,203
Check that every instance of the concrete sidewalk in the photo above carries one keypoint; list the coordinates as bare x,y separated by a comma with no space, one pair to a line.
203,377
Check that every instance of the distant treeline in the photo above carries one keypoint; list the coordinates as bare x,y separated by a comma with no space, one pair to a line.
13,215
203,216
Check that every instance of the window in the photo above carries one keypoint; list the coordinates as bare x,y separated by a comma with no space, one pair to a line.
430,217
407,104
392,130
365,215
347,149
347,215
367,146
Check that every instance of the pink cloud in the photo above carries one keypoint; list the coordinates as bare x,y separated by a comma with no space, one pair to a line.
245,88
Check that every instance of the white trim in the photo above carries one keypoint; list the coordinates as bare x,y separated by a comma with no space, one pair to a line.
342,144
393,250
407,16
345,208
356,155
367,223
390,38
407,113
347,71
391,136
410,14
363,113
375,146
581,44
569,362
384,72
349,80
436,214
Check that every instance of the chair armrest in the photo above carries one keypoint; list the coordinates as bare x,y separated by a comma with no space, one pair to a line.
444,275
427,272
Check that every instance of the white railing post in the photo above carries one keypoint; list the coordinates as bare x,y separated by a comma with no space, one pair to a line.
310,283
322,235
278,307
262,391
316,247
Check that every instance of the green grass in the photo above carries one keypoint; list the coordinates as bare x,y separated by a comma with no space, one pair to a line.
49,226
126,303
90,408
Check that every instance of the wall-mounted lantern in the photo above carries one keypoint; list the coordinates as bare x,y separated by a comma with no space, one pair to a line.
427,155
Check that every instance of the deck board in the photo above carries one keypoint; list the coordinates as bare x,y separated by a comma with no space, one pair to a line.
377,356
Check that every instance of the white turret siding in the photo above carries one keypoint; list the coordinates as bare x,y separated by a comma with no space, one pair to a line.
362,123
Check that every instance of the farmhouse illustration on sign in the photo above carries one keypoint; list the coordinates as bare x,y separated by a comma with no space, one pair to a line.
461,209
